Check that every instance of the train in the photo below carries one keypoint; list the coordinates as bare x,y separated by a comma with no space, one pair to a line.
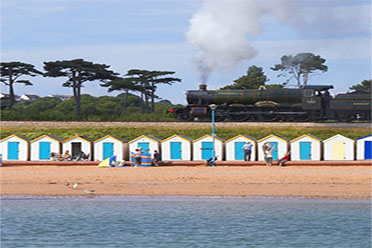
308,103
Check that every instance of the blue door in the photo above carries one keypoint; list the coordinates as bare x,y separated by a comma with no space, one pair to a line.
368,150
207,150
239,153
274,146
44,150
108,150
175,150
305,150
13,151
145,146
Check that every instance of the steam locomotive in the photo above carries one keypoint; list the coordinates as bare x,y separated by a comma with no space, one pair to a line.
309,103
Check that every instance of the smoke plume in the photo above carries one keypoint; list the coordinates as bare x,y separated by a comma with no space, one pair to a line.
219,30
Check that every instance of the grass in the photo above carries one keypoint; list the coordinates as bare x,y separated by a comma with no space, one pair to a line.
129,133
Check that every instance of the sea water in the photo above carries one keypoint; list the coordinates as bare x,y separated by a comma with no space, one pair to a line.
184,222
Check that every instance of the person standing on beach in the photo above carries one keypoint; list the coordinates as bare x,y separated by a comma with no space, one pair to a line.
247,148
268,152
156,158
137,157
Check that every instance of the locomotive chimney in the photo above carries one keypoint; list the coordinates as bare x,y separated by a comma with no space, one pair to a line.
202,87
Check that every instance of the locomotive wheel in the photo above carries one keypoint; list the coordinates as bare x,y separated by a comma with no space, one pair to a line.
268,117
344,117
300,118
238,117
184,115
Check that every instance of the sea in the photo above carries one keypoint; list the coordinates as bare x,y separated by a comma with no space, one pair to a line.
145,221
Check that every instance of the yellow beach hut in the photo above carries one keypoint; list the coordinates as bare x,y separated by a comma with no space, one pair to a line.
234,147
43,146
15,147
203,148
338,147
148,143
176,147
278,143
109,146
77,144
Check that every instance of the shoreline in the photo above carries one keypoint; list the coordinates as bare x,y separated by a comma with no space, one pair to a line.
341,182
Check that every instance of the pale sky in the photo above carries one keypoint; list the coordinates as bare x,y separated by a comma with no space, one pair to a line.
150,34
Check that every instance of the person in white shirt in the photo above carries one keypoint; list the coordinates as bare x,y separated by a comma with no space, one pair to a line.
247,148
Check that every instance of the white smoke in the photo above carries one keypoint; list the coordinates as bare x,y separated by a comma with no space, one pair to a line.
219,30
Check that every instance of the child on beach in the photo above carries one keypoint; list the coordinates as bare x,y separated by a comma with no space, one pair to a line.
268,153
284,159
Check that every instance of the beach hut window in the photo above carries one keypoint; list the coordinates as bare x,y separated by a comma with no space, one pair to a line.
305,150
207,150
76,148
13,150
239,154
145,146
44,150
175,148
108,149
368,149
338,149
274,147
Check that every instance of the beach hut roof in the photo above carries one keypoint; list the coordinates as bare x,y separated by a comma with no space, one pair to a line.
78,136
177,135
111,136
208,135
47,135
307,135
274,135
364,137
337,135
145,136
18,136
241,135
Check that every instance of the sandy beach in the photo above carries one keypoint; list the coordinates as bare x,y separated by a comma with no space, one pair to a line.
326,181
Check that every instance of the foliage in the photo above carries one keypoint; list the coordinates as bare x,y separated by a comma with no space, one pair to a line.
78,72
253,80
10,73
364,86
301,66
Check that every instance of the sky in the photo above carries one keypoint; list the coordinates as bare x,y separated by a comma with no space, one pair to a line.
152,35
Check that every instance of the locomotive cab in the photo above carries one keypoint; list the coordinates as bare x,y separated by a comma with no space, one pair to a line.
316,97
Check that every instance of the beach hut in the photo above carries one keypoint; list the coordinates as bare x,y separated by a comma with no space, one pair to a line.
77,144
338,147
43,146
306,147
148,143
364,147
15,147
234,147
278,143
203,148
109,146
176,147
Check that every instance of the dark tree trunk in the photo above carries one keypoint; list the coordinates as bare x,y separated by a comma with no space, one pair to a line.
125,105
152,97
147,103
142,104
11,91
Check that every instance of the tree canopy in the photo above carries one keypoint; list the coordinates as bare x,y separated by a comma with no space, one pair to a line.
78,71
11,72
300,66
253,80
364,86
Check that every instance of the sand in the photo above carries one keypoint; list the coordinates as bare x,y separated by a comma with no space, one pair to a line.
312,181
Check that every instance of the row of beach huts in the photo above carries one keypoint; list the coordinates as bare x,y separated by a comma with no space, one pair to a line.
179,147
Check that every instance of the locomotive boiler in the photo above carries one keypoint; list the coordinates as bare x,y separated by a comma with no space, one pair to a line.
309,103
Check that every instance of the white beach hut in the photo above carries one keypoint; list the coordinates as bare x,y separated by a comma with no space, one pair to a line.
338,147
278,143
364,147
109,146
176,147
15,147
77,144
234,147
306,147
43,146
148,143
203,148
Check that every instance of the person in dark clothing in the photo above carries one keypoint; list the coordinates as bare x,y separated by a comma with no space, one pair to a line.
156,158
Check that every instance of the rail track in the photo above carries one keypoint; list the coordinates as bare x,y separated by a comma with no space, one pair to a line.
177,124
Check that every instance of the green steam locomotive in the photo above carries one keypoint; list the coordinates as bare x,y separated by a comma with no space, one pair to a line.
309,103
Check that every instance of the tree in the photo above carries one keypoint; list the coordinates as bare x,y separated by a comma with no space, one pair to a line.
365,86
10,74
146,82
78,72
253,80
125,84
300,66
